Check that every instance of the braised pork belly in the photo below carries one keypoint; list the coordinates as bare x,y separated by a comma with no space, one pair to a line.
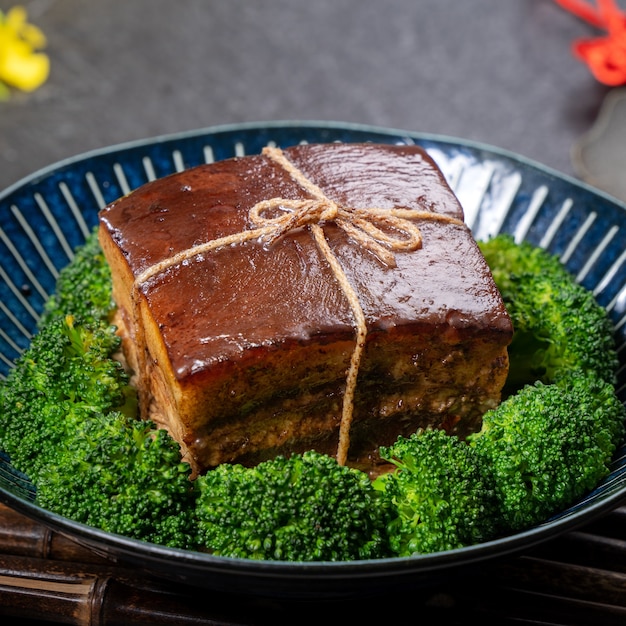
279,302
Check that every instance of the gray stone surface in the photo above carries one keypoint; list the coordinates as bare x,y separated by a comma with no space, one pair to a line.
486,70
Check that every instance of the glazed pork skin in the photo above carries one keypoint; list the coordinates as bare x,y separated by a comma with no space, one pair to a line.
242,352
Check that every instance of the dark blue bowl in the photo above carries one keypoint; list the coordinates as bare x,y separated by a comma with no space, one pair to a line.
45,216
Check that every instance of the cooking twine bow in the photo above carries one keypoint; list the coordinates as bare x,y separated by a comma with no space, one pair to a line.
363,225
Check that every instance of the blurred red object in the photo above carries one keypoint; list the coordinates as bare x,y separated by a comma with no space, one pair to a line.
605,55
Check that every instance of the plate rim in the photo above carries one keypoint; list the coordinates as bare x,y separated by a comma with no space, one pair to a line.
313,124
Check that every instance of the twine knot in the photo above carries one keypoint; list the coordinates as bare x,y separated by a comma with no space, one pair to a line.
292,214
382,231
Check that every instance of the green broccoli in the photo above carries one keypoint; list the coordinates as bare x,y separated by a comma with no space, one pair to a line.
549,444
64,376
441,494
558,324
69,423
124,476
508,259
83,287
300,508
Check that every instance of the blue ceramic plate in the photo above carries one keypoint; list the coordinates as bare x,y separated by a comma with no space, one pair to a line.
45,216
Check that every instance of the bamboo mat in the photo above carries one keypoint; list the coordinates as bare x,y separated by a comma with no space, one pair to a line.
576,579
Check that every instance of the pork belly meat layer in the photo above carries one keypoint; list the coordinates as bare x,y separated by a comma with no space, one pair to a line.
242,352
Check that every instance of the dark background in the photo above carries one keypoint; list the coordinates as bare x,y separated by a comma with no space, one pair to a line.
494,71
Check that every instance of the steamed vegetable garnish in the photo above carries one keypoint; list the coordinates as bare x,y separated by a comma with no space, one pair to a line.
303,508
69,423
548,445
441,494
558,324
84,286
509,259
124,476
67,374
64,378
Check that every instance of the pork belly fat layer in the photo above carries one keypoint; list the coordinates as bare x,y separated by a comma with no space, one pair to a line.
406,382
243,350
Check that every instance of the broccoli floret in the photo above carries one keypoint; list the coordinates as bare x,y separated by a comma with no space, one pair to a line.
123,476
63,378
508,259
300,508
558,324
83,287
440,492
549,444
69,423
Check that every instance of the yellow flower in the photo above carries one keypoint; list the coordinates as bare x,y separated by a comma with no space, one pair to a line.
21,65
